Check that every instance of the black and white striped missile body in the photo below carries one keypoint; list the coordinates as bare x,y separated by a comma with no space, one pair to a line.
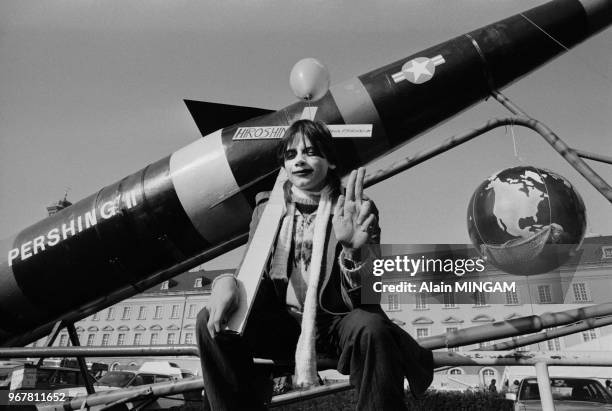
200,197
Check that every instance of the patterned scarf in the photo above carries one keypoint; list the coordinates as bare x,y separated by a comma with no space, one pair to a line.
305,354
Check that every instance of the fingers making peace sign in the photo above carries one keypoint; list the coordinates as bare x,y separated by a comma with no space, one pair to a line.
354,216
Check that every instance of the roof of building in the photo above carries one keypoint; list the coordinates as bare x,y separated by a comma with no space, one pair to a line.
592,251
192,281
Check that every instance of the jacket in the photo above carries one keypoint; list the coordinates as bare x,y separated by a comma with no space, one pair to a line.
337,295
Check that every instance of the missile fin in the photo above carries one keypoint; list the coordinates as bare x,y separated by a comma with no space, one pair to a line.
210,117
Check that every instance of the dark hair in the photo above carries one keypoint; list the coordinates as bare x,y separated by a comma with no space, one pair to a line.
319,136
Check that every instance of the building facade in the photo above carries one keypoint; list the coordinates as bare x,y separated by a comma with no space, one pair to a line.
585,280
162,315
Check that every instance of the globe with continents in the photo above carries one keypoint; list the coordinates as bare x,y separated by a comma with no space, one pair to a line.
526,220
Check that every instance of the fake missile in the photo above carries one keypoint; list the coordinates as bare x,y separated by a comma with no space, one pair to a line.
201,196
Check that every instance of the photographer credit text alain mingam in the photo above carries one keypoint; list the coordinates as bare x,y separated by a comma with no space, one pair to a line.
412,266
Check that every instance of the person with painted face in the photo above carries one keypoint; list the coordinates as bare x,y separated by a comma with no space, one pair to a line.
309,302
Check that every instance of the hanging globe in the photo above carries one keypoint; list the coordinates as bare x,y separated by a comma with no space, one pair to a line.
526,220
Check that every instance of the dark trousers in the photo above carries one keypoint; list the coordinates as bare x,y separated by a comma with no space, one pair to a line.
371,348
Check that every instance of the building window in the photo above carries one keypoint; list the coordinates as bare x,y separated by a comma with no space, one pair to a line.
105,338
393,302
580,292
137,339
121,339
422,332
553,345
421,301
480,299
175,311
482,345
189,338
95,317
589,335
164,285
91,338
142,313
63,340
197,283
449,300
158,312
171,338
488,374
512,297
154,337
455,371
110,315
192,311
127,311
544,295
606,251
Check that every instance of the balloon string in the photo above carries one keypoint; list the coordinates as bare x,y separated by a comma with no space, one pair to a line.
516,153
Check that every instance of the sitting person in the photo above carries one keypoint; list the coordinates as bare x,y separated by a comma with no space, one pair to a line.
309,301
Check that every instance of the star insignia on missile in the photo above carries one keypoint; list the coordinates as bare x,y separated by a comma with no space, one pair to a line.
419,70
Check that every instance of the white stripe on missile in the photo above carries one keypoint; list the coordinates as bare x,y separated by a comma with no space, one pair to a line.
202,176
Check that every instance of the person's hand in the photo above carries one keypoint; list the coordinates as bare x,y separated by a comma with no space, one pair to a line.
223,301
353,215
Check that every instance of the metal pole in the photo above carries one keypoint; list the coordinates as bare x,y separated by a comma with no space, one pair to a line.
573,358
57,327
566,152
552,333
297,396
593,156
81,360
418,158
122,351
514,327
544,386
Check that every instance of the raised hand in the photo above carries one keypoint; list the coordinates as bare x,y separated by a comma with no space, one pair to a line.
353,214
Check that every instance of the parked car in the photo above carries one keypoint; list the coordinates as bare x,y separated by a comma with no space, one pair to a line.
568,393
15,375
151,372
6,372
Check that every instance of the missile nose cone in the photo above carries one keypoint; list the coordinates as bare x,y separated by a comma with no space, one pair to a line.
599,14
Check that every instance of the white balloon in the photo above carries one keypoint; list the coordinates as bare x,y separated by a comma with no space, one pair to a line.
309,79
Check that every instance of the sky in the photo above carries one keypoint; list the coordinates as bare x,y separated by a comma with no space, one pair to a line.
92,91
